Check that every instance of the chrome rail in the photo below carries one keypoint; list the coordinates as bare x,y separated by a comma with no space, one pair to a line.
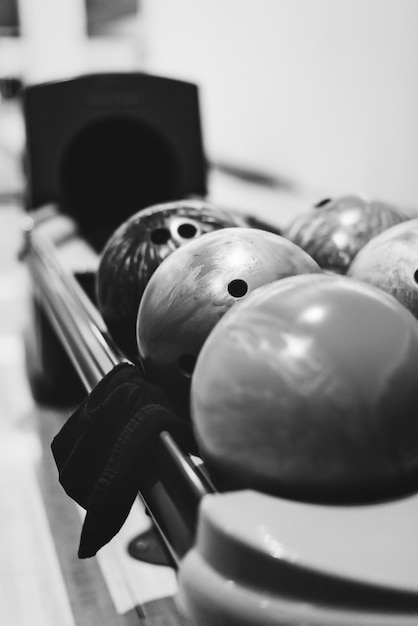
70,311
82,332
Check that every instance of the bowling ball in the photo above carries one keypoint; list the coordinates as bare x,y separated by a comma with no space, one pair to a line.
136,249
308,390
336,229
193,288
390,261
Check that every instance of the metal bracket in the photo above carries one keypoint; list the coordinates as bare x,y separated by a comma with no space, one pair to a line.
149,548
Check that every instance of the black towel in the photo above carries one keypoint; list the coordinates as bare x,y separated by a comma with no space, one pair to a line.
107,450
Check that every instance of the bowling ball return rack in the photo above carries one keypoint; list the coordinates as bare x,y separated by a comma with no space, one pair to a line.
242,558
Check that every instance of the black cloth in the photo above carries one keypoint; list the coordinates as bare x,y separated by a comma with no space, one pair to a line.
107,450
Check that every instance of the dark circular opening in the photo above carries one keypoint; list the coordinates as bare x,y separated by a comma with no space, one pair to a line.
160,236
186,364
416,276
113,168
187,231
322,203
237,288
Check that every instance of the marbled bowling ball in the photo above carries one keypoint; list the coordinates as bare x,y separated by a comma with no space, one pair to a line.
335,230
390,261
136,249
308,390
193,288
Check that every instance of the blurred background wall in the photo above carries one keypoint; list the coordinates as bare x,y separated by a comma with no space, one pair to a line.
321,92
324,92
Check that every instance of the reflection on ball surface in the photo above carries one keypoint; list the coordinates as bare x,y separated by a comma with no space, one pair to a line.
390,261
336,229
308,390
193,288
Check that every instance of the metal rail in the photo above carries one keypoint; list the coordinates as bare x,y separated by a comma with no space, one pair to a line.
70,311
80,328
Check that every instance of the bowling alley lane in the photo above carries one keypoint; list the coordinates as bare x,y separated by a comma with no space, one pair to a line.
42,581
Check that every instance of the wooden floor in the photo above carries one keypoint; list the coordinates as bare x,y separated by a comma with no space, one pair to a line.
42,581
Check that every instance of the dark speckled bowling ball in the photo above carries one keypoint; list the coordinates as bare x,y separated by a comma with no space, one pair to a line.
193,288
134,252
336,229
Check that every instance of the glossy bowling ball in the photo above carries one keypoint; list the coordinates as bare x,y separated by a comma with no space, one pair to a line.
335,230
193,288
308,390
390,261
134,252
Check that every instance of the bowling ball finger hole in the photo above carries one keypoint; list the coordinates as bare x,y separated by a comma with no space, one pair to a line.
186,364
187,231
159,236
237,288
321,203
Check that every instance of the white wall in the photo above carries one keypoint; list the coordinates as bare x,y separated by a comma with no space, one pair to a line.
54,44
322,91
52,34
